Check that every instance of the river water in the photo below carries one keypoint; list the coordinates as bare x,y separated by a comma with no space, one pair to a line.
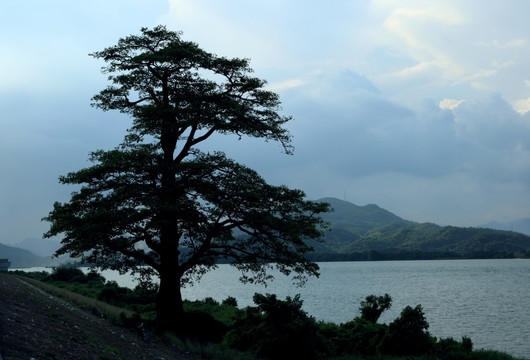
485,300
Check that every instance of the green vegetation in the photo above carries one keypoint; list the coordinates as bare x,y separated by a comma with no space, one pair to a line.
273,329
373,306
80,295
371,233
277,329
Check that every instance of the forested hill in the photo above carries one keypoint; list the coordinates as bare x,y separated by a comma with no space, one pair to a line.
358,218
370,232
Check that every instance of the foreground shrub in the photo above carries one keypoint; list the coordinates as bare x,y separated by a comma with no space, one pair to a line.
230,301
277,329
408,335
67,274
450,349
140,299
489,355
202,327
373,306
361,337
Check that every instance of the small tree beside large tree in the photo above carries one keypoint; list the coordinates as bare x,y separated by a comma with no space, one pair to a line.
159,206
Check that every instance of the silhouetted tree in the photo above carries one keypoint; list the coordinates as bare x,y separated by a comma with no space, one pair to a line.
373,306
157,204
408,335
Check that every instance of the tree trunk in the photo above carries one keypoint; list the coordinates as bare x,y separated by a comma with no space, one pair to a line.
170,312
169,308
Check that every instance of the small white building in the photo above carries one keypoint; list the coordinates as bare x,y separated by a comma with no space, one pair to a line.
4,264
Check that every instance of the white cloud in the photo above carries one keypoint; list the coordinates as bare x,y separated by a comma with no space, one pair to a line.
417,69
514,43
503,64
284,85
522,106
472,78
419,26
475,53
450,104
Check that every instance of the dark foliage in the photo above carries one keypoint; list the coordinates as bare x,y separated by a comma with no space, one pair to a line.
450,349
277,329
139,300
201,326
67,274
408,335
230,301
355,337
373,306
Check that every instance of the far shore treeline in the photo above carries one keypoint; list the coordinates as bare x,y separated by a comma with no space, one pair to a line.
370,233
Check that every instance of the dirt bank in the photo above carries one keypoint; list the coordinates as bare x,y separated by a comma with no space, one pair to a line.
35,325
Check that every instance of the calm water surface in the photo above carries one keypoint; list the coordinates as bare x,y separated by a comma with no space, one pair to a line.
486,300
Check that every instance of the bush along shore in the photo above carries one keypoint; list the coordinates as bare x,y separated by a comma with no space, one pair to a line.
272,329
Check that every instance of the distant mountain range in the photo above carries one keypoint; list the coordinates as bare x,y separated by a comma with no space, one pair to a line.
361,233
32,252
370,233
21,258
522,226
40,247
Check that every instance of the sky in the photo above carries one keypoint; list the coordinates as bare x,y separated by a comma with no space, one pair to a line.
420,107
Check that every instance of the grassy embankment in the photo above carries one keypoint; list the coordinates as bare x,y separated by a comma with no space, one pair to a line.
83,292
223,331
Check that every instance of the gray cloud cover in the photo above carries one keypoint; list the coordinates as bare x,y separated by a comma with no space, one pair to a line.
419,109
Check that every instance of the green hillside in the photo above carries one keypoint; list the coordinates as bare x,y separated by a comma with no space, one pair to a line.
431,237
358,219
372,230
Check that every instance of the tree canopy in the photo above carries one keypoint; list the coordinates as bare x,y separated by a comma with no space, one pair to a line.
160,206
